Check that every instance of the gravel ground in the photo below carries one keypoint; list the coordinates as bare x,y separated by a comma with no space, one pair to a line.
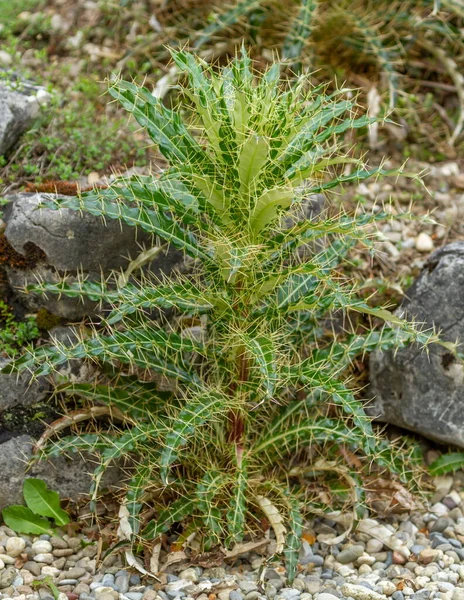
417,555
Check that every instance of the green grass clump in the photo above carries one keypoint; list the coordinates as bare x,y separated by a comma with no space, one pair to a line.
232,391
73,136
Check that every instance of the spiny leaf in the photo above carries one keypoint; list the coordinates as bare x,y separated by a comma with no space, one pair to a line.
206,491
252,158
225,20
262,350
447,463
135,490
164,126
174,513
193,415
300,32
237,505
268,205
154,222
293,541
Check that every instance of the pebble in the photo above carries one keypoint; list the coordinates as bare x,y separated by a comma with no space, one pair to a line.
44,558
327,596
236,595
42,547
424,242
350,554
190,574
7,576
14,546
360,592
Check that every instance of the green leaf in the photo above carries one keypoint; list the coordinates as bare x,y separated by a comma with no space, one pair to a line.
193,415
225,20
164,126
262,350
267,207
253,157
21,519
301,30
206,490
135,490
151,221
447,463
236,513
174,513
293,541
44,501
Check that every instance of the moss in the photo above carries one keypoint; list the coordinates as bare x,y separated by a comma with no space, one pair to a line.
12,258
30,420
46,320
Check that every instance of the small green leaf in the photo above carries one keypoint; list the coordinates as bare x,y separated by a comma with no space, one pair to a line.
253,156
44,501
447,463
22,520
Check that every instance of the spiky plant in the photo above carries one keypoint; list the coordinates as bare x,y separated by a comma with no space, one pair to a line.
402,46
231,386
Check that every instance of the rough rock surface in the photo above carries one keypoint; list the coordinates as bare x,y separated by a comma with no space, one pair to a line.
68,242
19,105
424,392
70,477
19,389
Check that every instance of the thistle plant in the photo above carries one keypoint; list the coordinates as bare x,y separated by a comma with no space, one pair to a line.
226,385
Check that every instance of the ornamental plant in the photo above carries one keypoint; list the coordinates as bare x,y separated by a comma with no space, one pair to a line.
227,388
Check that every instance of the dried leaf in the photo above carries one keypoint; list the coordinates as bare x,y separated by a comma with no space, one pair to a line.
276,521
240,549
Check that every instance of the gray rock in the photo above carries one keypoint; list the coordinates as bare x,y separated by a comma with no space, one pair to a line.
69,477
122,581
67,241
424,391
350,554
19,389
19,106
247,586
7,576
236,595
440,524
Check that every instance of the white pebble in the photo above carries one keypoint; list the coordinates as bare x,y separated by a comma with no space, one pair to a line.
407,591
2,564
44,558
424,242
364,569
52,571
14,546
191,574
359,592
373,546
439,509
7,560
42,547
388,587
445,586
